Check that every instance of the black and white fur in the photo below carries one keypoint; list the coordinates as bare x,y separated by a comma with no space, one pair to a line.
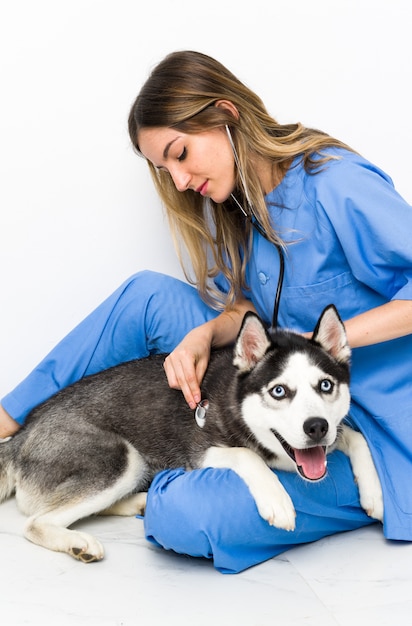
274,401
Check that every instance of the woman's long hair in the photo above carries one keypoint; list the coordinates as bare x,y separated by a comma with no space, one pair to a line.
181,92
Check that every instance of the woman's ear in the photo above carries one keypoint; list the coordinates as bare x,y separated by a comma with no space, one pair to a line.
229,106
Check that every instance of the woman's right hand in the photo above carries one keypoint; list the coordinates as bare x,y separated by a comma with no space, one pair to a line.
187,364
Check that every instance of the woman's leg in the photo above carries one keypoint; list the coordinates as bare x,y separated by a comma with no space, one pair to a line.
210,513
149,313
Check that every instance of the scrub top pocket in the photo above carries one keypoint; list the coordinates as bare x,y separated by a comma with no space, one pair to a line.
302,305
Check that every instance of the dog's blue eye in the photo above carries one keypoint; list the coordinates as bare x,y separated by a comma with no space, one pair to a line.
278,392
326,386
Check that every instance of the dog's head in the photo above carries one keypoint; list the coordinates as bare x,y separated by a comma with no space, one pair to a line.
294,391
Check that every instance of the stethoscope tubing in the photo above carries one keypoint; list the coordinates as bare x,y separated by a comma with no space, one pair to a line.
275,315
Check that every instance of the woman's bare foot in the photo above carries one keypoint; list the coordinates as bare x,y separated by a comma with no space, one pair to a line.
8,426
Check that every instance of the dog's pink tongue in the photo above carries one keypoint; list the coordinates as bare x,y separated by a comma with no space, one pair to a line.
312,462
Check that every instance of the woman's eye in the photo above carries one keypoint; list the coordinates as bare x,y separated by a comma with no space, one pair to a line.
278,392
182,155
326,386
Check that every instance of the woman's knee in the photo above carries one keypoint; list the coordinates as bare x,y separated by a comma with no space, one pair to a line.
147,282
153,291
170,308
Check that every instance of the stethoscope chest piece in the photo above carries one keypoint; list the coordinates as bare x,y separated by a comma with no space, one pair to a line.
200,413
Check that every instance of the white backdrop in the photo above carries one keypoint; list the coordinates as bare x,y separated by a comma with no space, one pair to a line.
77,210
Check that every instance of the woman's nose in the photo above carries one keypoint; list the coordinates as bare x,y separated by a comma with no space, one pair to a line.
181,180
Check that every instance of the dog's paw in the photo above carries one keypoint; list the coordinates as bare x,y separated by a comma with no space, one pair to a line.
272,501
277,509
132,505
353,444
374,508
371,498
85,547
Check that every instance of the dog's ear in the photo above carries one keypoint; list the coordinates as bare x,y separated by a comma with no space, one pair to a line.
252,343
331,335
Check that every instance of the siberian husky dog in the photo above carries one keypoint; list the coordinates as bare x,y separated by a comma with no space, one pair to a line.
274,400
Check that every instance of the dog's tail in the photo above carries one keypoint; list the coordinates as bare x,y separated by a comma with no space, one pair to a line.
7,473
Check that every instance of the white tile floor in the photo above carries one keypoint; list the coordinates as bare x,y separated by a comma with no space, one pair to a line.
351,579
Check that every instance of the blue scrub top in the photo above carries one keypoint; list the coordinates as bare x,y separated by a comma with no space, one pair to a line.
348,235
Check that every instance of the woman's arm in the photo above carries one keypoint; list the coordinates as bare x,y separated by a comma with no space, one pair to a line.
389,321
186,365
383,323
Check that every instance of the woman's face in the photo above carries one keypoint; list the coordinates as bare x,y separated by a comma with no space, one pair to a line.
203,162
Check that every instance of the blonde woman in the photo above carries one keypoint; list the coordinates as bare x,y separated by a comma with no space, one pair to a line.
283,220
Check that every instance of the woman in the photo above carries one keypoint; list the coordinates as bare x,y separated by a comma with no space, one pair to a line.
275,218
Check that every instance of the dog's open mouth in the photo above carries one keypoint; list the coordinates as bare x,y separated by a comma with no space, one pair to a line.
310,462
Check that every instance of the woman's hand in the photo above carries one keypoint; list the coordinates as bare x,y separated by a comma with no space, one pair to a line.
8,426
187,364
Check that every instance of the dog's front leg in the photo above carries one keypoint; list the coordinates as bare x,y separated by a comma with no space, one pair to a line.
354,445
273,502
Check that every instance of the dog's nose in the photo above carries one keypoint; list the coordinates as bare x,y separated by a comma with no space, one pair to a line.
316,428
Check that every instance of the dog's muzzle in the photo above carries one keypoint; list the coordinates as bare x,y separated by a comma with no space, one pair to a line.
310,462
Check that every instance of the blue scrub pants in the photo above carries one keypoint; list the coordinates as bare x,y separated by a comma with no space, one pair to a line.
209,512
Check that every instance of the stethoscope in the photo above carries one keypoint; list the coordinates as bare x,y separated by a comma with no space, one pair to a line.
259,228
203,405
279,286
251,217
